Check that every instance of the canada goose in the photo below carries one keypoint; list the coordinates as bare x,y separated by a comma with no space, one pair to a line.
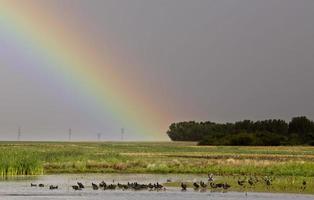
267,180
33,185
210,177
213,185
303,185
150,186
52,187
95,187
226,186
159,186
102,184
250,181
112,187
220,185
196,185
80,185
41,185
183,186
203,185
75,187
241,182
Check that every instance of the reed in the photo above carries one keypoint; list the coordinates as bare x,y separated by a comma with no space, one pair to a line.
14,163
29,158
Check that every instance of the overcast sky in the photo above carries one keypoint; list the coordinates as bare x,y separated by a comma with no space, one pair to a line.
217,60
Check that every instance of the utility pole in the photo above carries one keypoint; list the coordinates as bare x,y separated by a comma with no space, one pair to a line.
19,131
122,134
70,134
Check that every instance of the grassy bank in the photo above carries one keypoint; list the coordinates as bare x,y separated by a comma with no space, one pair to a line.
139,157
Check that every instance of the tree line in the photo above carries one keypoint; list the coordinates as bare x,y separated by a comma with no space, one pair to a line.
271,132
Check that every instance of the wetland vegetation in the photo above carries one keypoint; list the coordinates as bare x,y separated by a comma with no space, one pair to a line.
288,165
153,157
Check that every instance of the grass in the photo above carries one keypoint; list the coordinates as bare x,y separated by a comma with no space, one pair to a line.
18,158
288,165
14,163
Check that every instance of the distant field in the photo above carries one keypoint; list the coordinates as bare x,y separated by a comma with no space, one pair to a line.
153,157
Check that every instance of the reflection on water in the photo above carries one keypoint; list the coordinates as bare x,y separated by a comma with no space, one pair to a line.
20,189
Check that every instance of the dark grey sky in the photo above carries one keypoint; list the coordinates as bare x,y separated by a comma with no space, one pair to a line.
217,60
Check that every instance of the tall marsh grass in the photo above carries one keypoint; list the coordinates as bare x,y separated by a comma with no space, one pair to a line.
14,163
30,158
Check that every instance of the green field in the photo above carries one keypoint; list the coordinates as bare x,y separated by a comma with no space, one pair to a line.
288,166
145,157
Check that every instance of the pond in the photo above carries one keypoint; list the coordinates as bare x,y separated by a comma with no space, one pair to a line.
20,188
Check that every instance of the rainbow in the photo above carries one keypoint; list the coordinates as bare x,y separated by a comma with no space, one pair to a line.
61,52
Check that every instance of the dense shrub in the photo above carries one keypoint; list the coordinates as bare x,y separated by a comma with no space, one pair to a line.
273,132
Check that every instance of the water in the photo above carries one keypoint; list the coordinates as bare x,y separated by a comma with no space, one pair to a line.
19,189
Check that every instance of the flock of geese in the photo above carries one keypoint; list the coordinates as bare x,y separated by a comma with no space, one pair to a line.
197,186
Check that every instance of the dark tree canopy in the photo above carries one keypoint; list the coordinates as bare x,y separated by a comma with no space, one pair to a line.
272,132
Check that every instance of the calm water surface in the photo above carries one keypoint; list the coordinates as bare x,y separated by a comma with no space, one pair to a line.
20,189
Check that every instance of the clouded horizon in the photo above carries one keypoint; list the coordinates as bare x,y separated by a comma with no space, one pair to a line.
215,60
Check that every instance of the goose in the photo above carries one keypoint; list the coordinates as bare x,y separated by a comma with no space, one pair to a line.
150,186
52,187
203,185
41,185
267,180
226,186
241,182
103,185
213,185
75,187
196,186
80,185
304,185
95,187
210,177
251,181
183,186
158,186
112,187
33,185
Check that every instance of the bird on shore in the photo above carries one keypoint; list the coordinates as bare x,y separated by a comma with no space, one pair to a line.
241,182
220,185
226,186
102,184
112,187
196,186
80,185
251,181
53,187
303,185
210,177
183,186
203,185
213,185
267,180
94,186
76,187
33,185
41,185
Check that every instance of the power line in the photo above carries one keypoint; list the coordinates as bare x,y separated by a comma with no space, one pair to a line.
19,132
122,134
70,134
98,136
